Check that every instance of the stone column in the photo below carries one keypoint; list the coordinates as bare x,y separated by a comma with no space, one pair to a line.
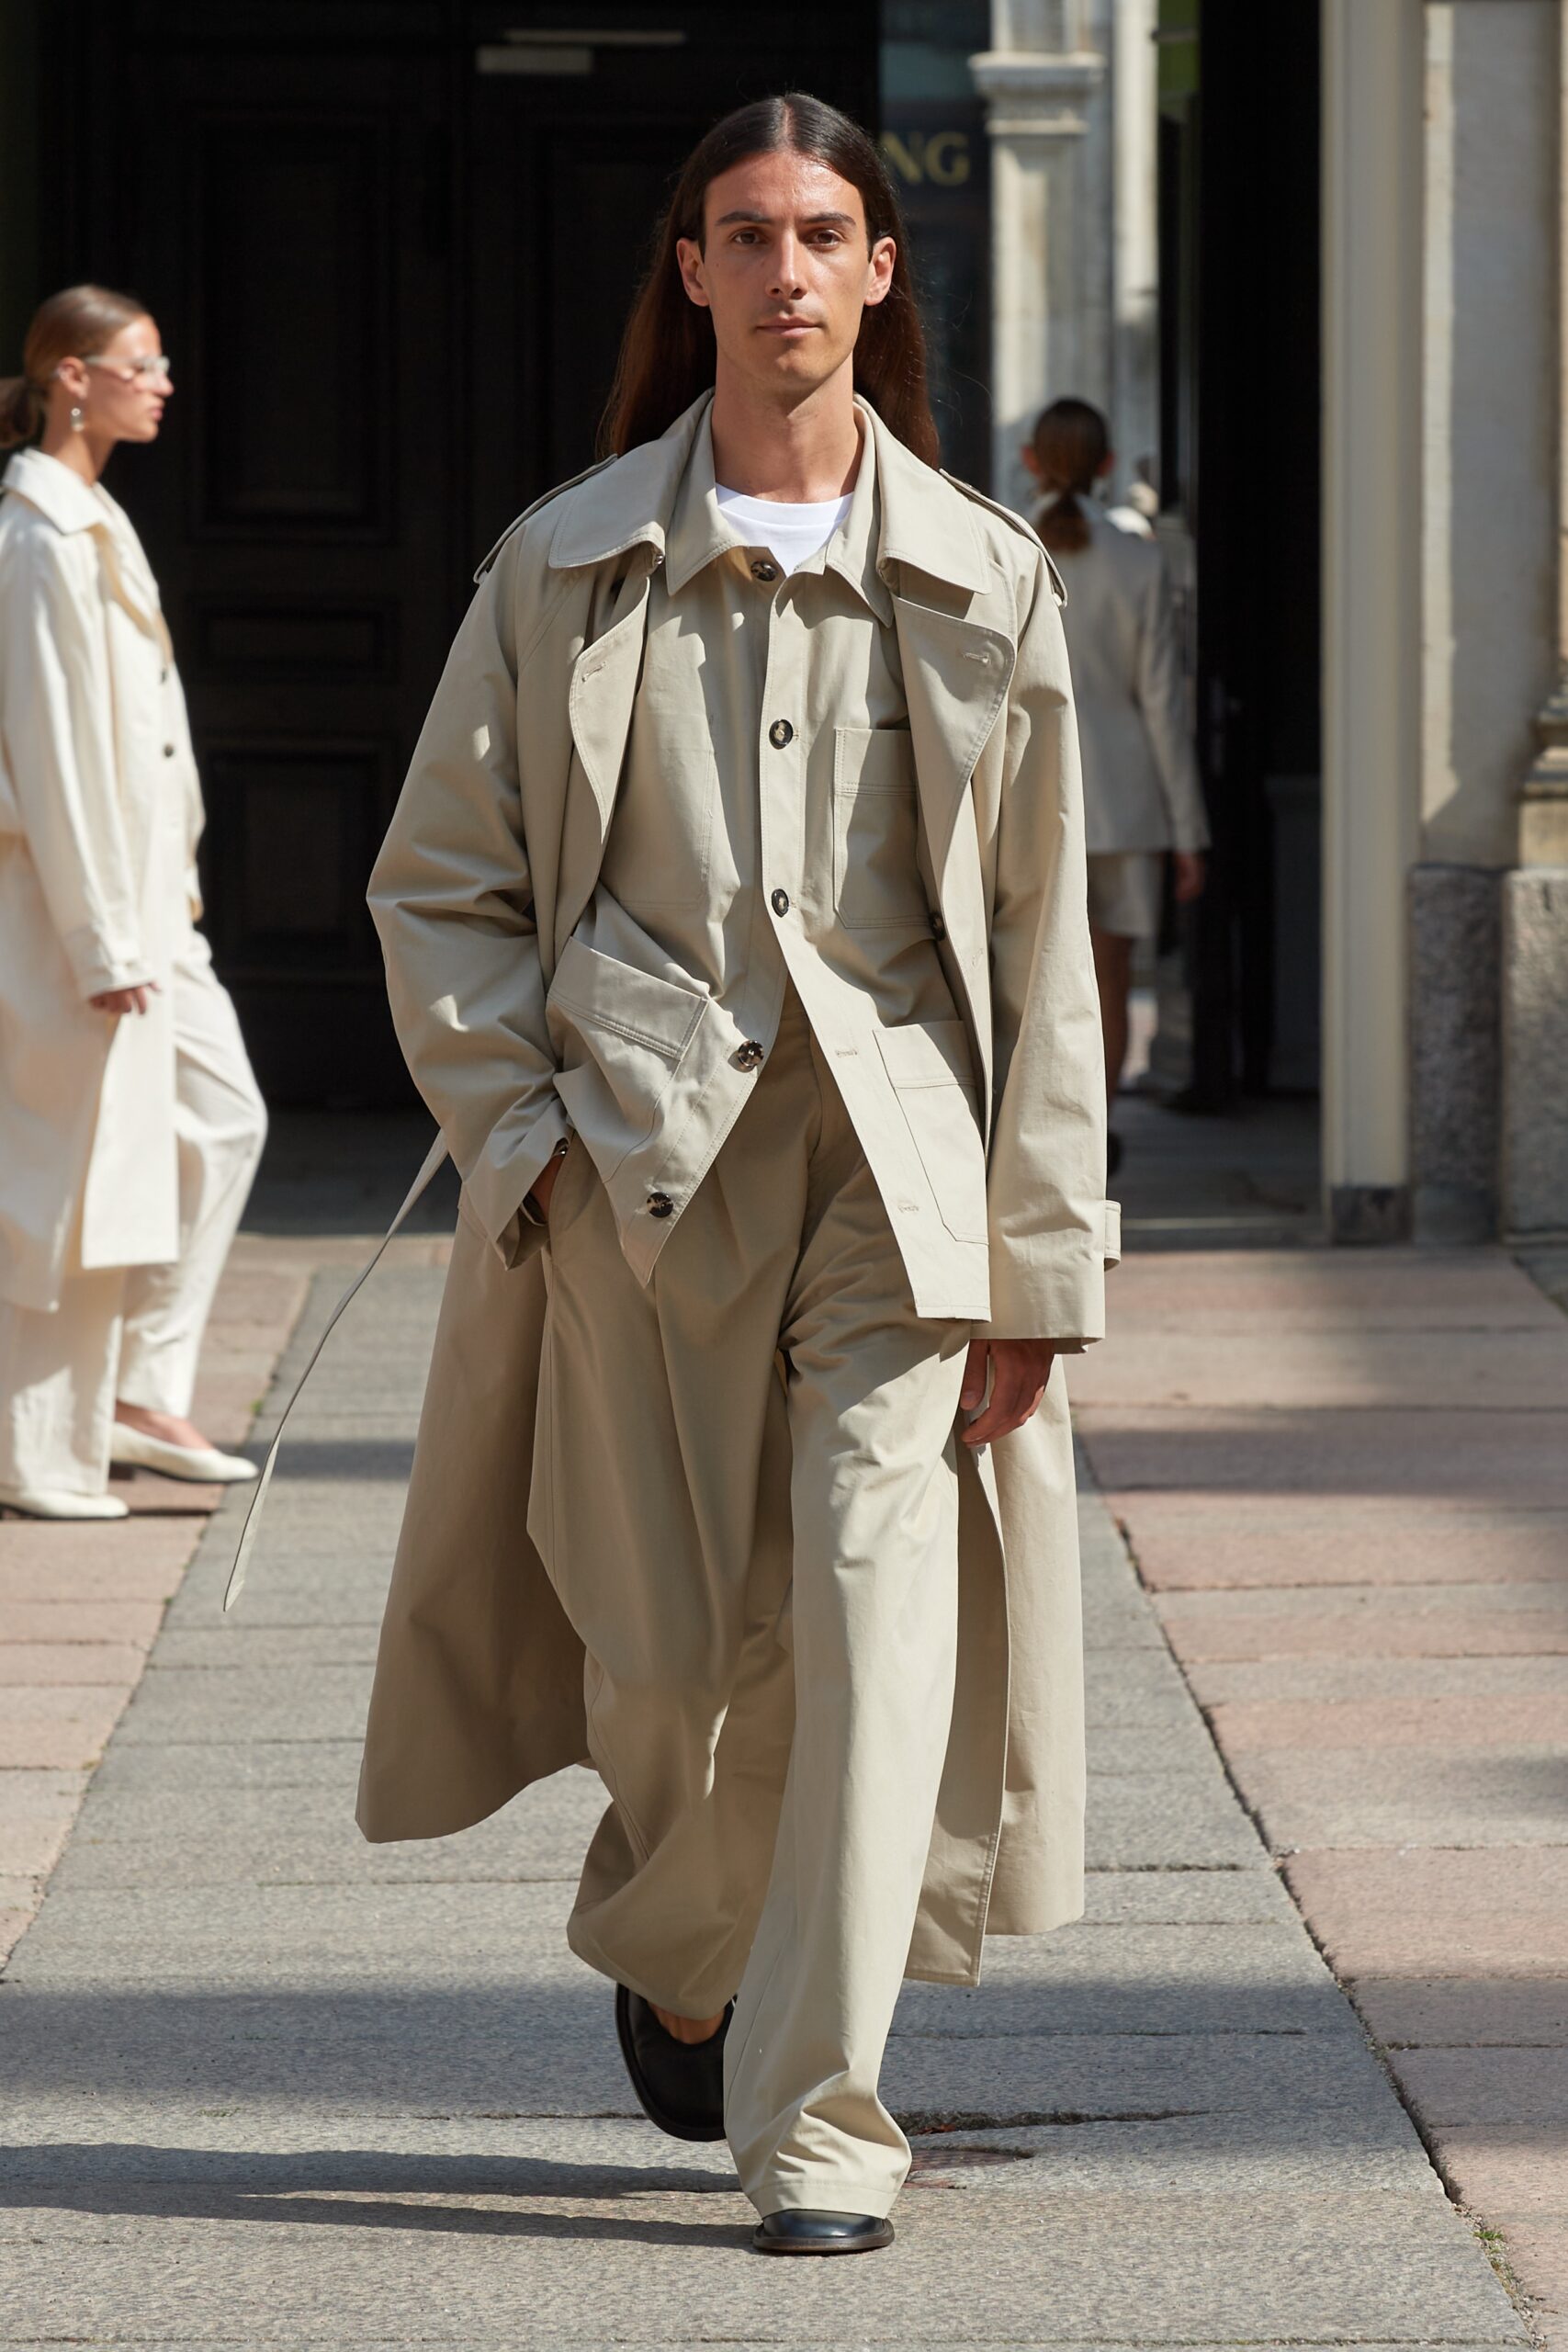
1533,1160
1372,293
1045,84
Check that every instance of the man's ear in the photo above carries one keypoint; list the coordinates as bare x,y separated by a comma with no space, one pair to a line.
884,253
689,256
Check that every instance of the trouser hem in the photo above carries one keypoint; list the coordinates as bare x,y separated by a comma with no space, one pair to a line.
829,2192
593,1957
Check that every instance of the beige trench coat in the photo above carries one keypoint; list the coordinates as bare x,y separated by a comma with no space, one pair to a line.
1140,771
100,812
493,856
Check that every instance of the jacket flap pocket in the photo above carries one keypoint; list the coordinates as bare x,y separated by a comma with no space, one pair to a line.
874,759
932,1053
618,996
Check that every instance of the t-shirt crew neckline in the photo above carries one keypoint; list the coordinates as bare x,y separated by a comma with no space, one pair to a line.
793,533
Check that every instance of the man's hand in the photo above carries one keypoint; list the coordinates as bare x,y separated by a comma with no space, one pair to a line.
1190,875
1020,1370
120,1001
544,1185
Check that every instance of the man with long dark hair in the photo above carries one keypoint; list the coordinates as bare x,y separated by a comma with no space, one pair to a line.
734,917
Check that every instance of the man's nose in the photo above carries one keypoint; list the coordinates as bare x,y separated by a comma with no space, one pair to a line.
787,278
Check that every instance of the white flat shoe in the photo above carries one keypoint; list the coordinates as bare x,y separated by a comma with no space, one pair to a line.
202,1465
38,1502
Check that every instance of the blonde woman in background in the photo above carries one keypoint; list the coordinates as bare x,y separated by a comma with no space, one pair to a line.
130,1125
1142,797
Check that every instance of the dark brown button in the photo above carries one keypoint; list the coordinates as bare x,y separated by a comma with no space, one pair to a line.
750,1054
660,1204
780,902
764,572
938,929
168,751
781,733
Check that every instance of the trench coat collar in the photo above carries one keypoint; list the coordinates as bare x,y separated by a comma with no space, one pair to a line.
925,523
62,498
700,531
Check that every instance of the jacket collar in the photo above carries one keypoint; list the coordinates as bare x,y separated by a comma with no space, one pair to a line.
701,532
60,496
925,522
63,498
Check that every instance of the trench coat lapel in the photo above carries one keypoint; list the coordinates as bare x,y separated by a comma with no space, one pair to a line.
956,674
600,700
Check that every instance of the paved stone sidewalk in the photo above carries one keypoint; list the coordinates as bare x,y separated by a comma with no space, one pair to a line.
1344,1478
80,1605
268,2085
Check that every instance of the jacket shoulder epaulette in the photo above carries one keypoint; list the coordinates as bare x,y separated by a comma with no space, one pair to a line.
1017,521
528,511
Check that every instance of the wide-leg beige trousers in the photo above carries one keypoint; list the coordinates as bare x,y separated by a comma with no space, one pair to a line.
771,1627
134,1332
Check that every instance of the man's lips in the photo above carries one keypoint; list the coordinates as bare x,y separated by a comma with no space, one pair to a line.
788,326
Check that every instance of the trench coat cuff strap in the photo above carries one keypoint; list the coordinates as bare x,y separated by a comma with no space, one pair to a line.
496,1191
1052,1286
98,965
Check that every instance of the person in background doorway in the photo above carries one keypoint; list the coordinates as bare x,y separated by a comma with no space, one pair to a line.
130,1125
1142,797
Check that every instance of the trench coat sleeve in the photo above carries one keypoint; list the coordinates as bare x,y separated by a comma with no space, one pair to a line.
1049,1217
57,714
1162,699
453,901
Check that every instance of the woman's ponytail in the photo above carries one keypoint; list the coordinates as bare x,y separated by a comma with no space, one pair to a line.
21,410
1070,440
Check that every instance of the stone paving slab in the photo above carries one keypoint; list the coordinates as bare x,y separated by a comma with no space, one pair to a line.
1465,1621
1515,1459
1350,1798
1469,2013
1212,1366
1189,1543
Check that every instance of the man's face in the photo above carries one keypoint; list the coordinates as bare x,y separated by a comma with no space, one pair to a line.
785,270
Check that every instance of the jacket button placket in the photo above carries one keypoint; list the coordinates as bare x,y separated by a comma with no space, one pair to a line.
782,793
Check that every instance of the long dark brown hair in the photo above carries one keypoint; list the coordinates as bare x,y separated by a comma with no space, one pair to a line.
1070,440
668,353
77,323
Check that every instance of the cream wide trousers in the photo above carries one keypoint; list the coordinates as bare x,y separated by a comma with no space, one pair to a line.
770,1654
133,1333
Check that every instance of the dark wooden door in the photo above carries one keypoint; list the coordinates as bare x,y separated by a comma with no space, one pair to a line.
285,210
569,173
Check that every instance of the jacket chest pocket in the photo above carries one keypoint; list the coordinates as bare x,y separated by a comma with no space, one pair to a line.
877,875
660,844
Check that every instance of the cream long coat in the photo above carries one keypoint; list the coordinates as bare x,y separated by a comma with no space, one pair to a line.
1140,775
493,856
100,812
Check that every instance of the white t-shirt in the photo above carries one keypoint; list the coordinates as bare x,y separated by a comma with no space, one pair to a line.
794,533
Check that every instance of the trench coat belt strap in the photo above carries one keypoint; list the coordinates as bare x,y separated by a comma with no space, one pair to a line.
252,1528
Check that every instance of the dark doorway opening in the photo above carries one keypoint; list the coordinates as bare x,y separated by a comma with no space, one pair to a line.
1240,473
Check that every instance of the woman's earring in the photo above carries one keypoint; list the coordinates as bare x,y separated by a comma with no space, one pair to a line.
78,419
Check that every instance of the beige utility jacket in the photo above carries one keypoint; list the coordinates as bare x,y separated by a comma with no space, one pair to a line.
492,858
100,812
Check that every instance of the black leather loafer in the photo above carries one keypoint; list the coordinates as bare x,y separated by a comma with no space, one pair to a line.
802,2231
679,2085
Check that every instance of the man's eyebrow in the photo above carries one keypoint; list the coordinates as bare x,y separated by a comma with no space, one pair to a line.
767,221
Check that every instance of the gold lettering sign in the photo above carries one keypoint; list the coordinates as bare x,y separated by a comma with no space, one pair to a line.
928,158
